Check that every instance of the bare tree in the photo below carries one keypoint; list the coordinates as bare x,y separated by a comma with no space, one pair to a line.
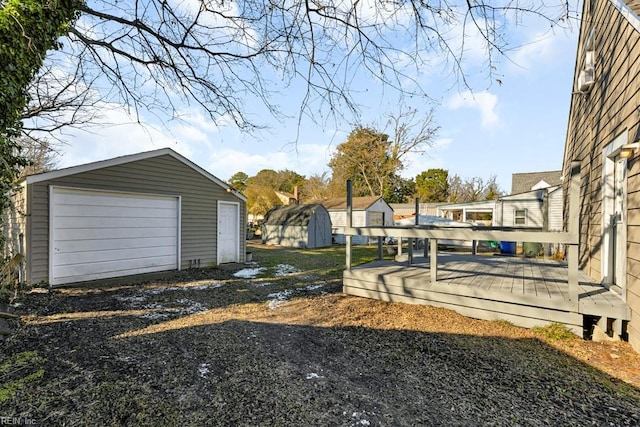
412,133
225,55
316,187
473,189
60,98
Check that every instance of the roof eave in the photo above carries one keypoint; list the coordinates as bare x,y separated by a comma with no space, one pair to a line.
88,167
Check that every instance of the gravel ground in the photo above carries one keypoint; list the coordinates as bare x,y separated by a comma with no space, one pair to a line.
285,348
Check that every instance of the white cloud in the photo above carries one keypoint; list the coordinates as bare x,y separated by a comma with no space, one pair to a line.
307,160
540,49
118,134
415,163
485,102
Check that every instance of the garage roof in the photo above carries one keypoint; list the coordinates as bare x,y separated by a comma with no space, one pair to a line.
31,179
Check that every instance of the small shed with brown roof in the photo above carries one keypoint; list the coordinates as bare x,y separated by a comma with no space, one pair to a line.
366,211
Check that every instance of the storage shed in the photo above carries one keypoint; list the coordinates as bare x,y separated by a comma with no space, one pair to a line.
146,212
297,226
366,211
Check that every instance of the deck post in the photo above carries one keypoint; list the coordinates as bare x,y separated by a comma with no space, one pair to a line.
410,251
349,219
433,260
574,229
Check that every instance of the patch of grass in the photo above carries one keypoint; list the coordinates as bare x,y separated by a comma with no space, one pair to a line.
327,263
18,371
504,323
555,332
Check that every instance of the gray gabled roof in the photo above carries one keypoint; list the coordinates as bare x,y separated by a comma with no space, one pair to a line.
128,159
523,182
299,215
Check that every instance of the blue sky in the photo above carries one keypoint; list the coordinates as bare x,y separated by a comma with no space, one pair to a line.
498,129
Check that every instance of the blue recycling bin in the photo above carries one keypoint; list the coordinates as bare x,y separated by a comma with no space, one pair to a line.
508,247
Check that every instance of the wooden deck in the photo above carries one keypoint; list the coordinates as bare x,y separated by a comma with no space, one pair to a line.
524,291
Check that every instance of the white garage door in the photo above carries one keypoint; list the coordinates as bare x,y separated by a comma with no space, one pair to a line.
99,234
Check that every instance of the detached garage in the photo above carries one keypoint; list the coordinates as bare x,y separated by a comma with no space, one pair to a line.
146,212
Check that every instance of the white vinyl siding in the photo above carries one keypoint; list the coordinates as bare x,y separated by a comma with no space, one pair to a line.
101,234
555,210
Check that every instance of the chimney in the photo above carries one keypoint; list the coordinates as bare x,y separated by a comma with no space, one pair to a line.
296,194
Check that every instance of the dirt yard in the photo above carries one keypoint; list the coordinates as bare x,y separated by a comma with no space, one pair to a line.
277,343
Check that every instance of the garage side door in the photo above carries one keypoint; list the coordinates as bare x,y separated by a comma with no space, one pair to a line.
96,234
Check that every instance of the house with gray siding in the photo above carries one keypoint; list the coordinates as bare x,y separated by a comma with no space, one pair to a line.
145,212
297,226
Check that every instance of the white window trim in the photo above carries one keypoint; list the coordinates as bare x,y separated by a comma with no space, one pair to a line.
609,154
515,216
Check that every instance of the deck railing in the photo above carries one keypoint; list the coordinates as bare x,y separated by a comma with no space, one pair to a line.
569,238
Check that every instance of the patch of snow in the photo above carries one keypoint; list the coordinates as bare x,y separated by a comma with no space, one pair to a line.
359,418
155,315
203,370
278,298
313,287
281,296
249,273
133,300
274,303
156,291
261,284
313,375
284,269
191,306
154,306
213,285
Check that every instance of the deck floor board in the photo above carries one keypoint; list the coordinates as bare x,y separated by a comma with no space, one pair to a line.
518,280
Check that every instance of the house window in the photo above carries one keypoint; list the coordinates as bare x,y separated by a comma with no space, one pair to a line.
520,217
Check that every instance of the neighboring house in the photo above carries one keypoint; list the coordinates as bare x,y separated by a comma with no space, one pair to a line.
541,208
297,226
405,210
523,182
602,136
470,211
366,211
287,198
146,212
